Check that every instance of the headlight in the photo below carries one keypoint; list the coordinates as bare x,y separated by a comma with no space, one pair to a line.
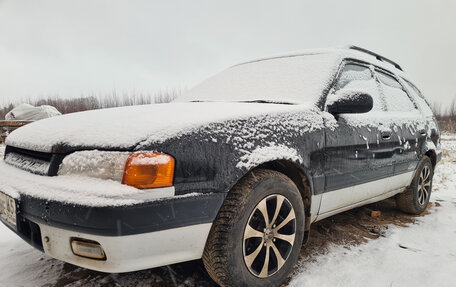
95,163
137,169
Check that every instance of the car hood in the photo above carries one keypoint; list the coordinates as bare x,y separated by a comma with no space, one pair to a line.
127,127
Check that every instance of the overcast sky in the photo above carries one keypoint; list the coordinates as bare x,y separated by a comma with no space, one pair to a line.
73,48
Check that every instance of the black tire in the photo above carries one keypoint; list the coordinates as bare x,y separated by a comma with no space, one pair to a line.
415,198
227,249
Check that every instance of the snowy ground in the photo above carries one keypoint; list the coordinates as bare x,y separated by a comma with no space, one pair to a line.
421,254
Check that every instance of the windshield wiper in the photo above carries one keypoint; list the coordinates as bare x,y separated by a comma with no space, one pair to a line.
267,102
252,101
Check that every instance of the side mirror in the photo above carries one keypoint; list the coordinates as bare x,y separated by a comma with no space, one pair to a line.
350,102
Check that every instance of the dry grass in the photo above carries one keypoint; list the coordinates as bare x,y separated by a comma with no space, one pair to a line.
446,116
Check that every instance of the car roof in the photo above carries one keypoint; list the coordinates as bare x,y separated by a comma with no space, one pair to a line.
347,52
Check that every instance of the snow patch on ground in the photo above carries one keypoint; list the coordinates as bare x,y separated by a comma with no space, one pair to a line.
22,265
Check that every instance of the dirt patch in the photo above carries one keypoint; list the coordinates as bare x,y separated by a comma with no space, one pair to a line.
188,274
355,226
349,228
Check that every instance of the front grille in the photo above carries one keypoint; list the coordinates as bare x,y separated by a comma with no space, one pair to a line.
44,156
33,161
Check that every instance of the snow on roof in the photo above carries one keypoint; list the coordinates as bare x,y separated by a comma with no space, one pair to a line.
342,52
295,77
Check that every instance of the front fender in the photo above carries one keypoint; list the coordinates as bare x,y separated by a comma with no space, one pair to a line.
214,158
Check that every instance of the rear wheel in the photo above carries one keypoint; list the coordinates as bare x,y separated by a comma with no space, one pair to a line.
256,238
416,198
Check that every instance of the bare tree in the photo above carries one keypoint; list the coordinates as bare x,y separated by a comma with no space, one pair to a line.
446,117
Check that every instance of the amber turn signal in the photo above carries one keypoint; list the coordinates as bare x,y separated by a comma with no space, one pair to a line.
149,170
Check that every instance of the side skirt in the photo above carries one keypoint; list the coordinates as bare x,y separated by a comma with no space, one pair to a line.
345,199
361,203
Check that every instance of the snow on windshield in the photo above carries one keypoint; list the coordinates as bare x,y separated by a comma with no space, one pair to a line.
295,79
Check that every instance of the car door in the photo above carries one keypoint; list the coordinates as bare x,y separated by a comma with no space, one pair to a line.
358,152
409,128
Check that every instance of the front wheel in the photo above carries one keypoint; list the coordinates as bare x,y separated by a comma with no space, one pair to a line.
416,197
257,235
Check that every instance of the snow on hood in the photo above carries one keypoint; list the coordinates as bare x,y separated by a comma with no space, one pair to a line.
126,127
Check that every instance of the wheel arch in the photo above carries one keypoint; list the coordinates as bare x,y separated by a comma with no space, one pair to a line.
302,180
429,149
297,174
433,156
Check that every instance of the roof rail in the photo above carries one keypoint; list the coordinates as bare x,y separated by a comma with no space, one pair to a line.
377,56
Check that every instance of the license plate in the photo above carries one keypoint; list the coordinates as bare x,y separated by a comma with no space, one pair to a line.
8,209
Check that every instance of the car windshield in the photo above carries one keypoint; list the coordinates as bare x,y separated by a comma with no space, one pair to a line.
285,80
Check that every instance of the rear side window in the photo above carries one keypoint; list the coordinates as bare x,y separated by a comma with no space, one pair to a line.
418,98
359,78
395,96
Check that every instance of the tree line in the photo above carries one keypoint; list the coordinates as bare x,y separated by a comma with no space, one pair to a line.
446,116
93,102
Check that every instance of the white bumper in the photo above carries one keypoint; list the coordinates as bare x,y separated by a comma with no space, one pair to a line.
132,252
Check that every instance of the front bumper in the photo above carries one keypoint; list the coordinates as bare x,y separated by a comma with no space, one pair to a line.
131,252
134,237
157,215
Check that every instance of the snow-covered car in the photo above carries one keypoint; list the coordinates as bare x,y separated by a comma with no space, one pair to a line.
234,172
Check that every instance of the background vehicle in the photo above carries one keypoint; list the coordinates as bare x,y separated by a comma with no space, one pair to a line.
234,172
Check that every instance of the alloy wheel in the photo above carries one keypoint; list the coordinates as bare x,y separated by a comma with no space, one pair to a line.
424,185
269,235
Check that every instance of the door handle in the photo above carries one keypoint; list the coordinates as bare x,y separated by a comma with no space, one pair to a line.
423,133
386,136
